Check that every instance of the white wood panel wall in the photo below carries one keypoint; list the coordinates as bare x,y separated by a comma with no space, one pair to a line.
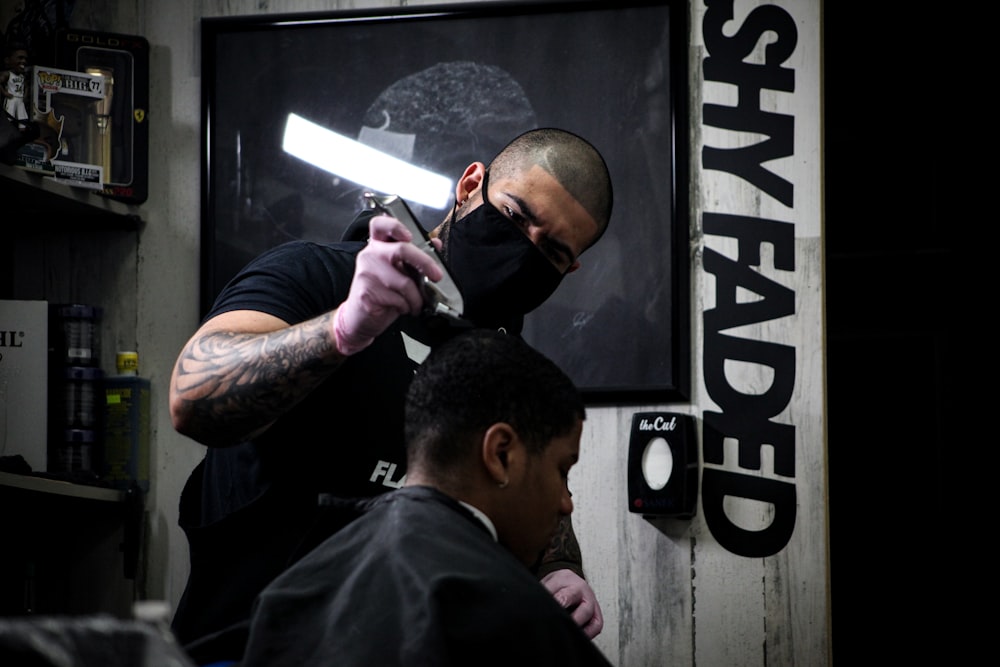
671,593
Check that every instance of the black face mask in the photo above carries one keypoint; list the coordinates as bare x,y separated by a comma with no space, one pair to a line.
501,273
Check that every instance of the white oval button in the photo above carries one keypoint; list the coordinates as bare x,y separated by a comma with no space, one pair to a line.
657,463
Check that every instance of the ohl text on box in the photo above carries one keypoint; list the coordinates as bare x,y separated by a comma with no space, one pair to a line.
24,364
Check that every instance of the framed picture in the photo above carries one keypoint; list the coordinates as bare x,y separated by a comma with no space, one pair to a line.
439,87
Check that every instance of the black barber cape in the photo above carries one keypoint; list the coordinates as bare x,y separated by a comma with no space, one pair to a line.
416,580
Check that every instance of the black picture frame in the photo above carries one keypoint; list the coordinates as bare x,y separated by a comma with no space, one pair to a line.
613,72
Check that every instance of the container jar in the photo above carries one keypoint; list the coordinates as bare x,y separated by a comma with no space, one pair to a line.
127,363
81,396
81,334
76,452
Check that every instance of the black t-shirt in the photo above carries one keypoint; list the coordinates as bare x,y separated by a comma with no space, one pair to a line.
250,510
335,438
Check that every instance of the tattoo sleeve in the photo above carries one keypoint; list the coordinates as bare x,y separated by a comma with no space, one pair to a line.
563,552
237,383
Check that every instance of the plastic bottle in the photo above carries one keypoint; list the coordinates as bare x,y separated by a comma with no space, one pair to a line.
126,425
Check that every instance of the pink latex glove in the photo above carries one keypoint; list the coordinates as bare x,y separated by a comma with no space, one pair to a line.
383,287
575,594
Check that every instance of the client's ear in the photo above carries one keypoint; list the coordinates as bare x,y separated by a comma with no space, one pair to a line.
498,441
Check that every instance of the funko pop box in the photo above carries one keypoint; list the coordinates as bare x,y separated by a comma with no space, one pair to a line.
123,62
66,110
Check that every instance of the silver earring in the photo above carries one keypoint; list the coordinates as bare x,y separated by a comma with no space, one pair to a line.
503,484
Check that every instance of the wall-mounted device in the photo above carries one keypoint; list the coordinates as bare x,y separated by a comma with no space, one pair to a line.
663,465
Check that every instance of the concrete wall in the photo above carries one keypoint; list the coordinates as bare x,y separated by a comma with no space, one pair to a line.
733,586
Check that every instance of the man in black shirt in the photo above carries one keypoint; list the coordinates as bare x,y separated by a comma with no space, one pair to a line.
295,381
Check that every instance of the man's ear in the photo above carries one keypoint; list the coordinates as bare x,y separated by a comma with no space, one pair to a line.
467,185
498,443
469,182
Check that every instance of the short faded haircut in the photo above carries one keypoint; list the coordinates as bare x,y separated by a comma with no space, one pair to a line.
480,378
571,159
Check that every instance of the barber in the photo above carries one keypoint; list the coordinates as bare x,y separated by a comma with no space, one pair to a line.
295,380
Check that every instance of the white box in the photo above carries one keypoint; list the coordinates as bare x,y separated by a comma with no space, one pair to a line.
24,372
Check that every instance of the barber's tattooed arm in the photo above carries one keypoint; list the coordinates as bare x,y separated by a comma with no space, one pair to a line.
233,385
563,552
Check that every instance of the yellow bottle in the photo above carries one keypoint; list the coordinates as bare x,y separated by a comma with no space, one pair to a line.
126,425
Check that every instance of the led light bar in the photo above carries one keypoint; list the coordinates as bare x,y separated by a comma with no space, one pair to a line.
366,166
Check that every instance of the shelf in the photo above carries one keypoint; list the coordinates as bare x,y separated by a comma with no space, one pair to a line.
43,205
60,487
75,549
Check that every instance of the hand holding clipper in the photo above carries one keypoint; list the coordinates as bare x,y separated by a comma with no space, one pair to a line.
442,297
383,287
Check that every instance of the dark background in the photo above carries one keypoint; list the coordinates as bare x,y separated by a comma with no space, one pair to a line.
891,234
900,554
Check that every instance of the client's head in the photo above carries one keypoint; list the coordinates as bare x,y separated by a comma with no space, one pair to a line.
493,422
